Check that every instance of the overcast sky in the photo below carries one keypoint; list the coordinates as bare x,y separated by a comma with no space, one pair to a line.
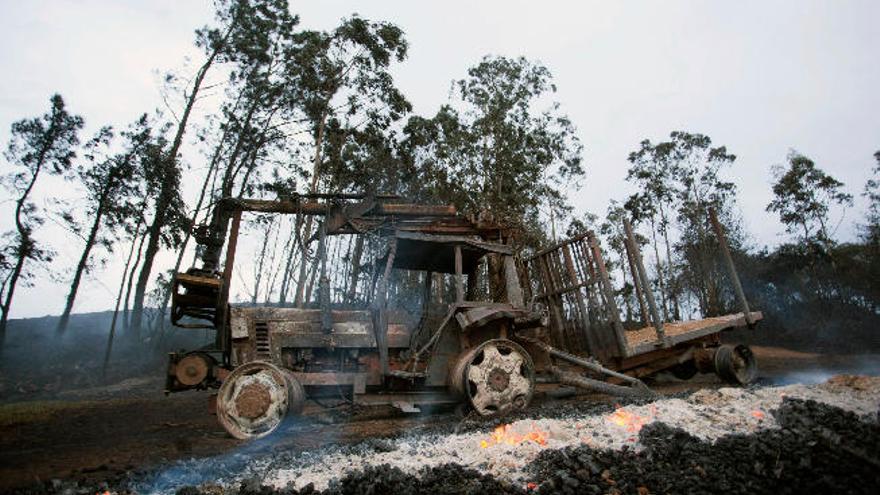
760,77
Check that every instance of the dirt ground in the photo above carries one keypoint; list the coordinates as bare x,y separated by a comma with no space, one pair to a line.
103,433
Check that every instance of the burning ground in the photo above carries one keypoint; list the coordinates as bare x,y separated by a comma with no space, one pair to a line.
755,440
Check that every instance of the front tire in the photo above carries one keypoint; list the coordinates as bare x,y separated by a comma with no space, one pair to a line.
495,377
255,398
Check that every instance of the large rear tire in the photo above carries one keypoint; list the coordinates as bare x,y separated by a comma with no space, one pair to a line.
255,398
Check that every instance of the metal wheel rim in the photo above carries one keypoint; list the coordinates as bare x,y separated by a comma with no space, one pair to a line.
255,378
499,376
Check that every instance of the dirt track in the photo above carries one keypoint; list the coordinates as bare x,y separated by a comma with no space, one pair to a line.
103,433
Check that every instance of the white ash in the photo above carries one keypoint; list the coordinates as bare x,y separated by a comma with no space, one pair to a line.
708,414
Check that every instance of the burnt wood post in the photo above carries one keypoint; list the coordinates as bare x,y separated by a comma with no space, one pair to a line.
355,267
734,277
575,282
324,282
637,284
643,277
459,276
557,330
381,329
610,303
511,276
222,326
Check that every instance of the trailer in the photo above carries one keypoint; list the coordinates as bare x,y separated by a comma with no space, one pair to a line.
445,312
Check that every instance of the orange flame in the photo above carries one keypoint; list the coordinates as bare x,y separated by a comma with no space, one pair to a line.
631,421
758,414
503,435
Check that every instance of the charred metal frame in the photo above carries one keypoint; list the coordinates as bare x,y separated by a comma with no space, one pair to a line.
403,366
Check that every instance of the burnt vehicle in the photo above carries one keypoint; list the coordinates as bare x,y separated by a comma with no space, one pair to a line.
509,325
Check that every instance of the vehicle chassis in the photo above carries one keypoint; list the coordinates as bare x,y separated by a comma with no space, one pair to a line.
552,323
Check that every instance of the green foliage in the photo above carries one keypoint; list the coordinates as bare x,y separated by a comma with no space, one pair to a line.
491,150
871,233
351,103
46,143
803,196
679,180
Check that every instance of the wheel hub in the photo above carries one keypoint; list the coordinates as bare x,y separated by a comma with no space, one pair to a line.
496,376
255,397
498,379
253,401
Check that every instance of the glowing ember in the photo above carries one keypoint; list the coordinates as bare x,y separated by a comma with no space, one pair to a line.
631,421
531,485
758,414
504,435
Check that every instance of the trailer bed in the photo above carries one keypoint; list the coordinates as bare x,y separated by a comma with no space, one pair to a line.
645,340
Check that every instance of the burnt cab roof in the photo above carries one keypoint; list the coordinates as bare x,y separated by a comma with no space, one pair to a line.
436,253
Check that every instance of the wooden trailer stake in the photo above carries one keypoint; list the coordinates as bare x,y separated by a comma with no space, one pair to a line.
622,347
649,294
734,277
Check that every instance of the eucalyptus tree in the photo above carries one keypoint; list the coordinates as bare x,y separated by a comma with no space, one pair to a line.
643,210
162,178
699,171
682,176
803,195
497,149
493,148
113,187
612,231
872,193
238,37
344,80
653,170
39,145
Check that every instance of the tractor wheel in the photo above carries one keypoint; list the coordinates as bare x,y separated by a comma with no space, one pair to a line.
495,377
255,398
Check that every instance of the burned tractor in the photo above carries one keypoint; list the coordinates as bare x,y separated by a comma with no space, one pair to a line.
543,321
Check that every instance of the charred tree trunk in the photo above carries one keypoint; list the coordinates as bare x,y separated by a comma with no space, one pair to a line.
25,242
126,318
313,273
291,256
163,201
83,262
261,262
660,282
497,288
112,332
307,230
355,268
10,291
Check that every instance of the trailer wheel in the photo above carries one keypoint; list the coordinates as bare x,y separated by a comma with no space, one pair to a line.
736,365
495,377
254,399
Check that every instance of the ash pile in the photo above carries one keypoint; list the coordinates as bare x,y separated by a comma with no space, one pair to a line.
825,438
